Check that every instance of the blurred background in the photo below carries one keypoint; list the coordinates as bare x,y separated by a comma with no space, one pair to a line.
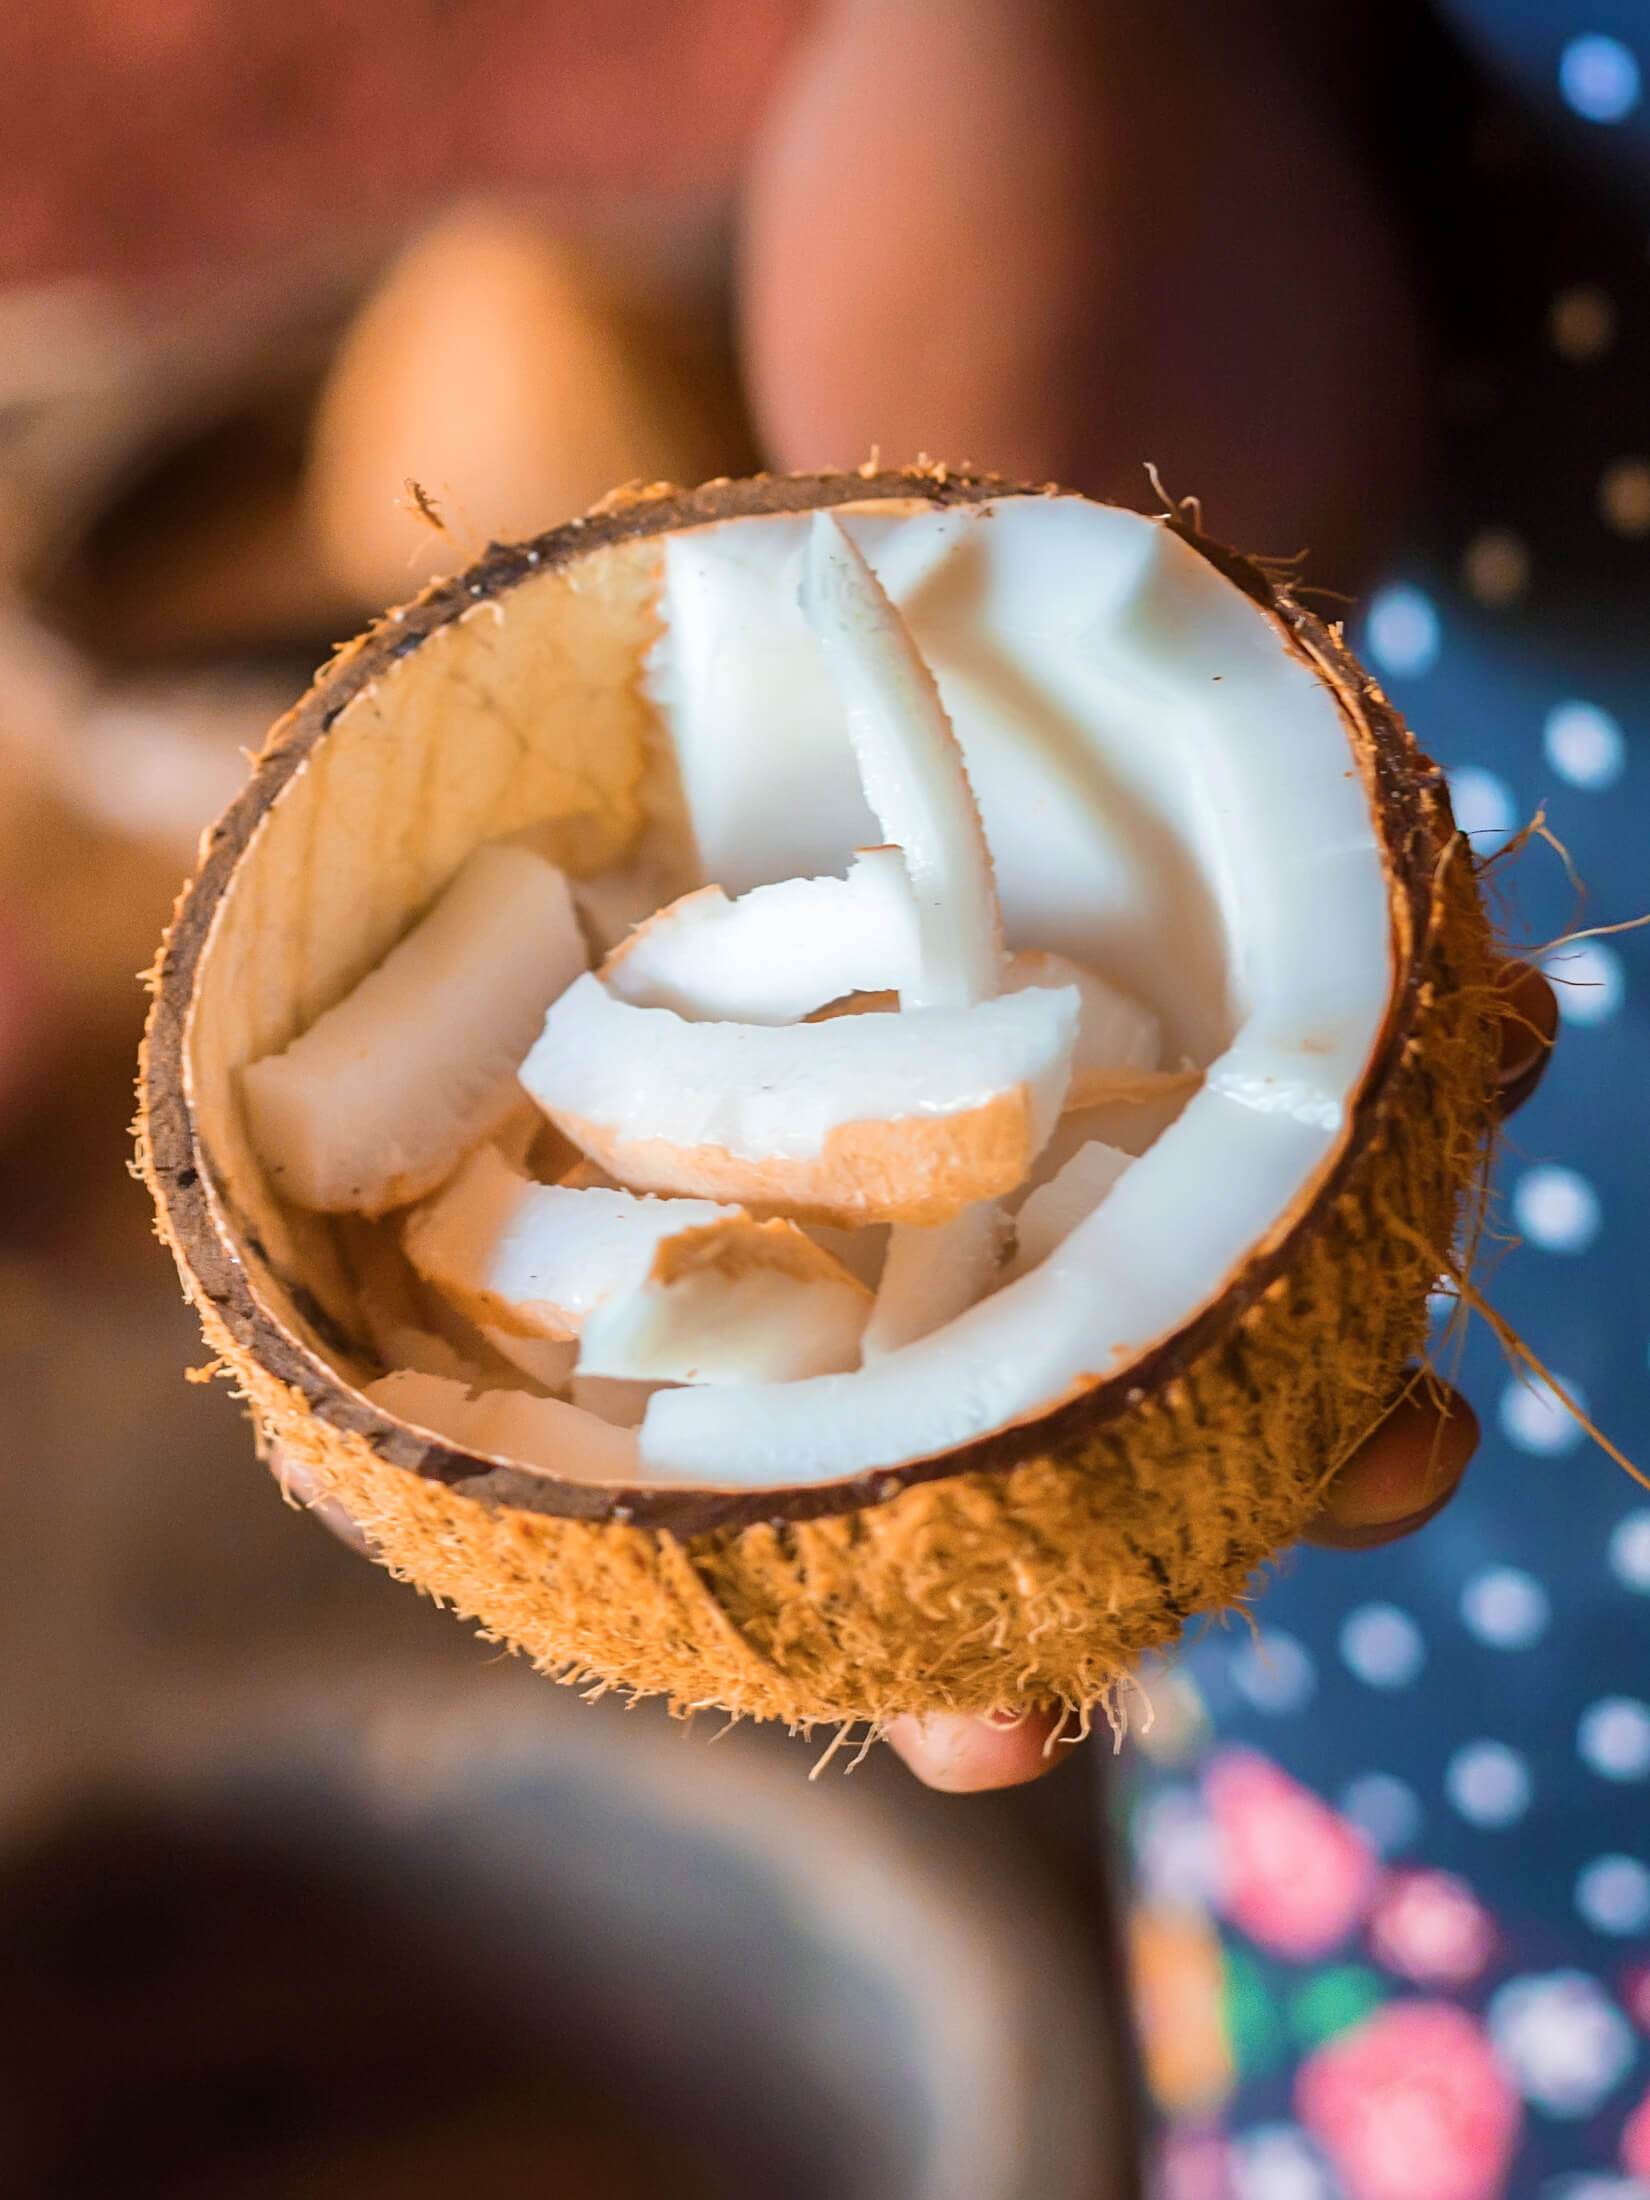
302,1891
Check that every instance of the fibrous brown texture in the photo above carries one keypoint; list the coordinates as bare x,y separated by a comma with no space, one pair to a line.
1035,1564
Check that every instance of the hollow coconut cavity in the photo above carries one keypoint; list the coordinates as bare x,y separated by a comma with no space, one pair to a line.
1007,1020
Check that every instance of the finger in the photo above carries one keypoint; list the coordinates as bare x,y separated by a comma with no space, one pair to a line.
1529,1026
1407,1471
298,1483
964,1755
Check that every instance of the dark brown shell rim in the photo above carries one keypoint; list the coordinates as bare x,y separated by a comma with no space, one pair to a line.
1411,809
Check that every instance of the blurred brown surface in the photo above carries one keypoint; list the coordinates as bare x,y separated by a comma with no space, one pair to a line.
160,139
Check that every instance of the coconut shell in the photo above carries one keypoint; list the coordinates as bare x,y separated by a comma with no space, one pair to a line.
1036,1564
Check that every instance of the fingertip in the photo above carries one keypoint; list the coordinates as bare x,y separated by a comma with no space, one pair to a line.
963,1755
298,1486
1405,1474
1529,1028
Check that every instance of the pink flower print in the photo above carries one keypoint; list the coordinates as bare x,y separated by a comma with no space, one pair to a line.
1428,1926
1412,2105
1635,2141
1294,1875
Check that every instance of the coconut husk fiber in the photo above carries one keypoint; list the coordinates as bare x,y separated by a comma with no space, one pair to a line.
1036,1564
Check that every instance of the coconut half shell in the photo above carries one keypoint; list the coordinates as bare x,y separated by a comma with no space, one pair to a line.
1033,1564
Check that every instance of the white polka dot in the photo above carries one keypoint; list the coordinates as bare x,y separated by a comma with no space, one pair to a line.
1598,78
1382,1646
1496,567
1562,2039
1277,2162
1556,1209
1613,1738
1488,1783
1584,745
1176,1849
1613,1894
1484,806
1587,979
1386,1811
1534,1418
1624,497
1630,1551
1275,1672
1402,632
1581,323
1505,1607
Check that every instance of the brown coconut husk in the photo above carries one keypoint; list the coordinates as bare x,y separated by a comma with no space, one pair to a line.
1036,1564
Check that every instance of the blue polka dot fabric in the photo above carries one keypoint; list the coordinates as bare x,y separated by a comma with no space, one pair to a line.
1391,1851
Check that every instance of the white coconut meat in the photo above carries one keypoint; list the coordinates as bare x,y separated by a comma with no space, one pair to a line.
1049,1214
778,953
381,1097
1119,1040
679,1290
736,1301
859,1119
1168,794
513,1426
536,1260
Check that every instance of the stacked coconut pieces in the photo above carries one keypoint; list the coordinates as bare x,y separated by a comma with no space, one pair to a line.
769,1138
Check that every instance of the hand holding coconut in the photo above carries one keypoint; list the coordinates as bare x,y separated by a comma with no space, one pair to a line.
934,1359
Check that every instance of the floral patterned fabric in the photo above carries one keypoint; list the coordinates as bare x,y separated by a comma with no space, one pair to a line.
1391,1926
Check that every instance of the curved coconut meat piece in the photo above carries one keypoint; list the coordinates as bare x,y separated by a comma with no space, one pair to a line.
779,952
655,1290
859,1119
1048,1214
536,1260
932,1276
1168,790
547,1360
512,1426
916,781
381,1097
862,1252
1115,1033
1111,1026
911,769
612,1398
734,1302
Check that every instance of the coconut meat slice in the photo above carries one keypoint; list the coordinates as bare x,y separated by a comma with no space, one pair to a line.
916,781
678,1290
1048,1214
911,769
1117,1036
932,1276
512,1426
613,1398
536,1260
859,1119
375,1104
548,1361
735,1301
1169,791
777,953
